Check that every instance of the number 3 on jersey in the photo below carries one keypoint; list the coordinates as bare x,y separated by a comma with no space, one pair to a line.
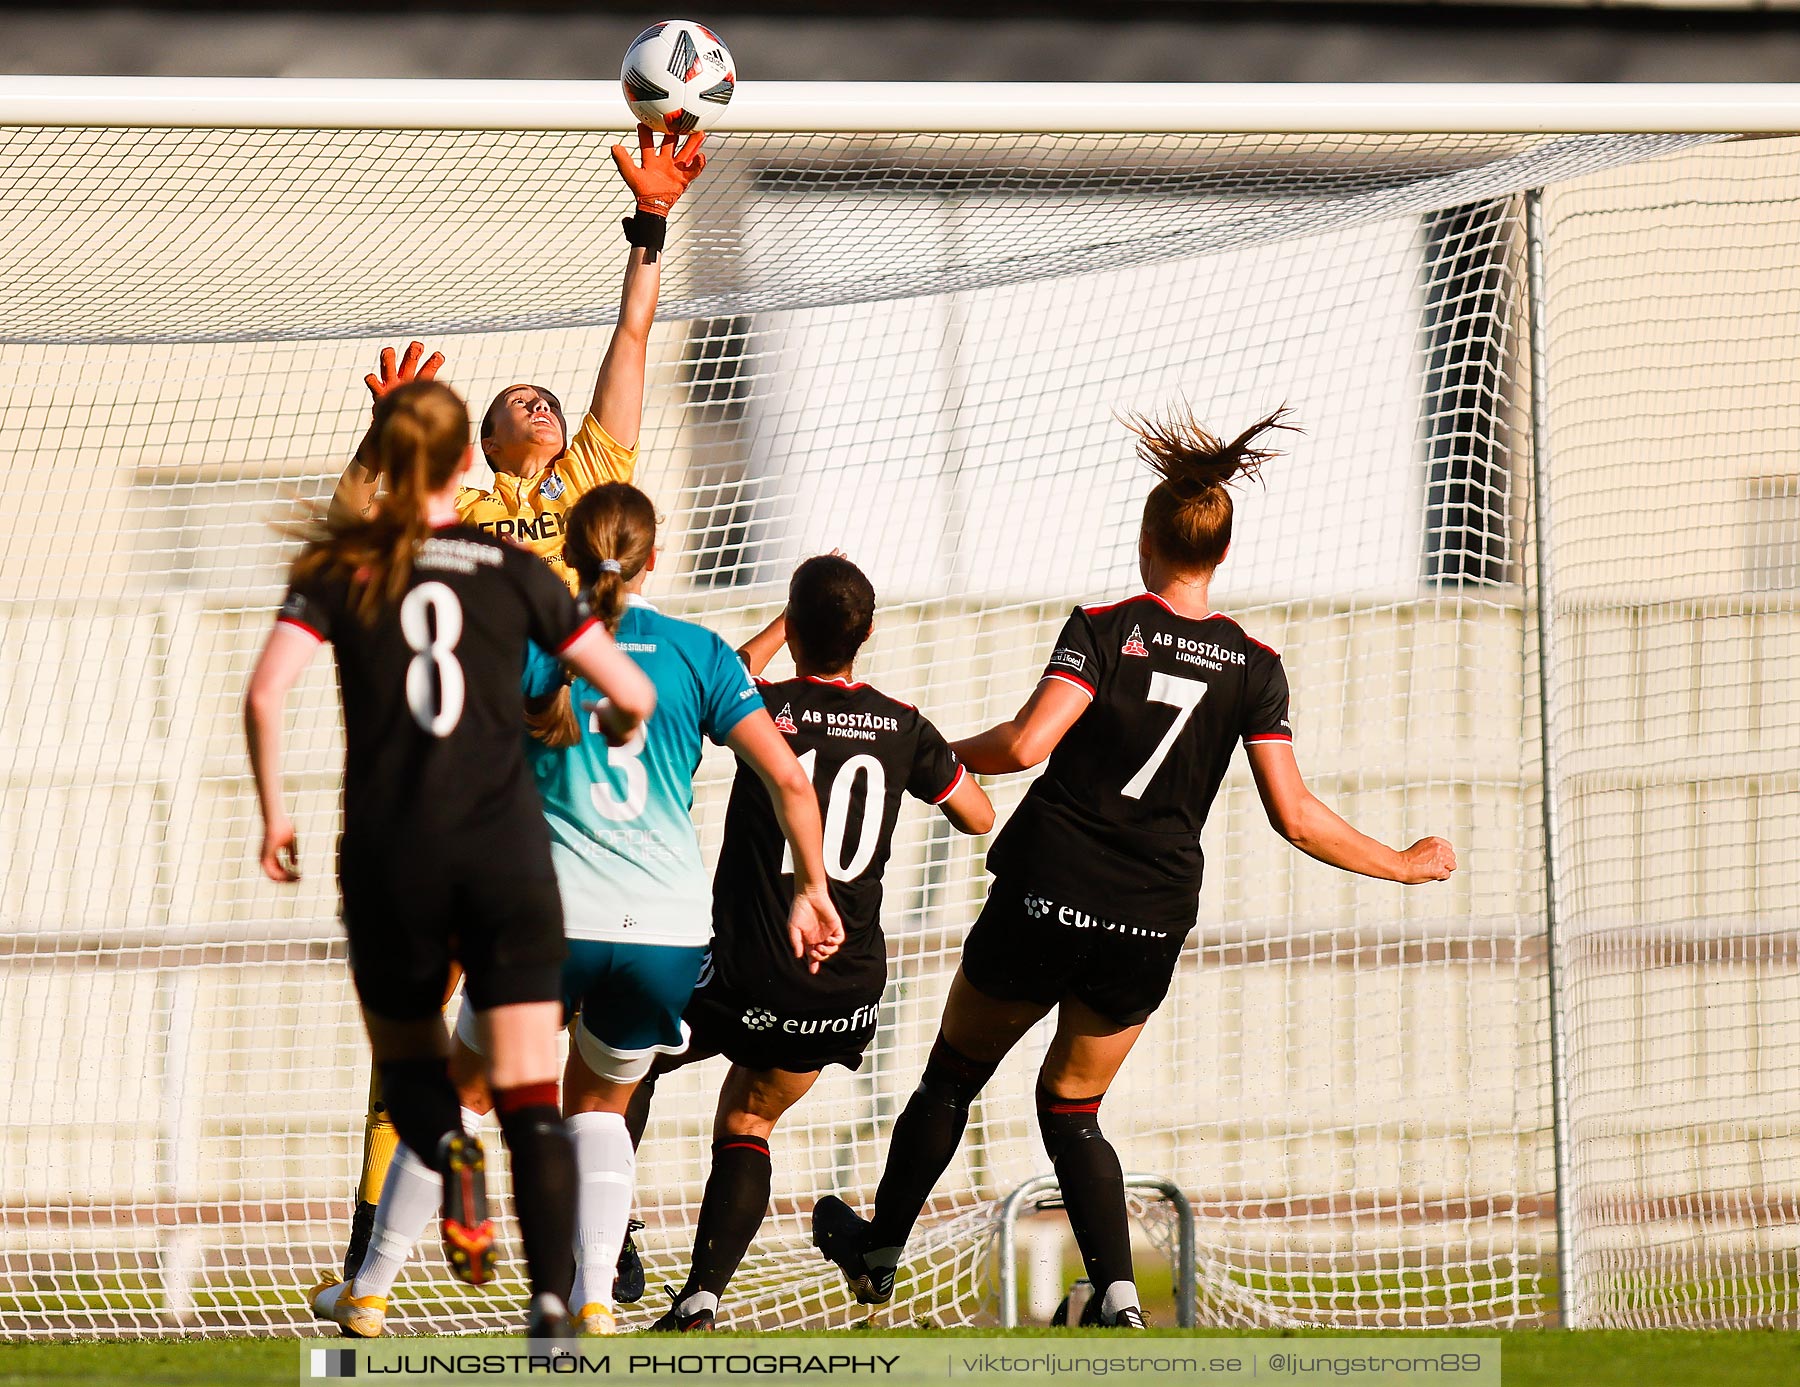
625,760
837,816
1178,693
431,620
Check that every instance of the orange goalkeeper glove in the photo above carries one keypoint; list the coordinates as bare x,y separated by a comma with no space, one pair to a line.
394,374
662,173
657,180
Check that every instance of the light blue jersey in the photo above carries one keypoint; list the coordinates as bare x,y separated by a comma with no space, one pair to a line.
627,858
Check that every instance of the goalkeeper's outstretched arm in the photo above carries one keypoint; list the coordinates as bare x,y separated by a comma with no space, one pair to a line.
657,179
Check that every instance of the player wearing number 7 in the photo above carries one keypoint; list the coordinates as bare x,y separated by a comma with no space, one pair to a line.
1097,875
444,858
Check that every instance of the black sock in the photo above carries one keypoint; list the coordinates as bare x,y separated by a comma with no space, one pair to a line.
1092,1183
925,1139
544,1183
637,1111
421,1103
731,1210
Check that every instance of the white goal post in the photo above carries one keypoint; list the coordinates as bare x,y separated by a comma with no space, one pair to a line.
1534,568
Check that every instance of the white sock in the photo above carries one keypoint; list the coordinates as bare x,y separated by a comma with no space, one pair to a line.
608,1167
1121,1295
411,1197
699,1300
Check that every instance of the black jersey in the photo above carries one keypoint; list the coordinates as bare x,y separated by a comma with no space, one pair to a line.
433,715
863,750
1114,822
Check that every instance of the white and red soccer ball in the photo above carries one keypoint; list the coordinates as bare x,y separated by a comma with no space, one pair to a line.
677,76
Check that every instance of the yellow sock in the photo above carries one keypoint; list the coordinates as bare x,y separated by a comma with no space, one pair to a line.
379,1141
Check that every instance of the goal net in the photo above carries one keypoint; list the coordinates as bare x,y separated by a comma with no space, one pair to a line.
915,347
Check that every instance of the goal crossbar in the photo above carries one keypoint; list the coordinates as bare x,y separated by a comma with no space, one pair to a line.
917,107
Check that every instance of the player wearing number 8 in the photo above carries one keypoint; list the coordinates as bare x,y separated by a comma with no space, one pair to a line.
444,857
1097,875
633,887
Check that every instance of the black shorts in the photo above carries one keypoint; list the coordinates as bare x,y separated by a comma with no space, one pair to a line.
408,919
1025,947
758,1036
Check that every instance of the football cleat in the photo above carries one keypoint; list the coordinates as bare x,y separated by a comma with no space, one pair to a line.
357,1317
468,1232
597,1320
628,1276
362,1225
549,1319
842,1235
675,1320
1094,1316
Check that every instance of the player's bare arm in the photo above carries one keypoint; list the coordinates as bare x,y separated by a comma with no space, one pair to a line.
1317,830
1027,738
284,658
813,925
765,644
968,808
630,697
657,178
355,491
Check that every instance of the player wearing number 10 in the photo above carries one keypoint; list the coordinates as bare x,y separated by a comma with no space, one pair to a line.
1097,875
778,1023
444,856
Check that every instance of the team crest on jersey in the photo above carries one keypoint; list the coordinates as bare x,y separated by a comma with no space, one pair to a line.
551,488
1134,644
784,720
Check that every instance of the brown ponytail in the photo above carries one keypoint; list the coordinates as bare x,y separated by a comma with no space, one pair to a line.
609,535
421,435
1187,517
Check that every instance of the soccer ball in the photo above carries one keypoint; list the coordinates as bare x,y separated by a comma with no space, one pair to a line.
677,76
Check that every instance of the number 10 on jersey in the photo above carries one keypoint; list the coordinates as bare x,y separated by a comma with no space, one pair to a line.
837,816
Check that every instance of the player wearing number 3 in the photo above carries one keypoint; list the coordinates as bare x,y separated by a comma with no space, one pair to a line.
1097,875
635,891
445,857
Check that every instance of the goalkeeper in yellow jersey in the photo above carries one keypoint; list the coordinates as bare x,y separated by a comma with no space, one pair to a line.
540,471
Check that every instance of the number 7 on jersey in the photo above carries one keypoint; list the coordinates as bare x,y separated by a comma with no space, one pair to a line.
1179,693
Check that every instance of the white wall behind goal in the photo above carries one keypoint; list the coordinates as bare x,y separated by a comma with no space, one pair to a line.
925,436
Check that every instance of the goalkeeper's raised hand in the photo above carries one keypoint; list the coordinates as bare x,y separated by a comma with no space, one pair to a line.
662,172
355,493
391,374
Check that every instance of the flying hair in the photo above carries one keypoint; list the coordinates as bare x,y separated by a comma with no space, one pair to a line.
610,536
1187,516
